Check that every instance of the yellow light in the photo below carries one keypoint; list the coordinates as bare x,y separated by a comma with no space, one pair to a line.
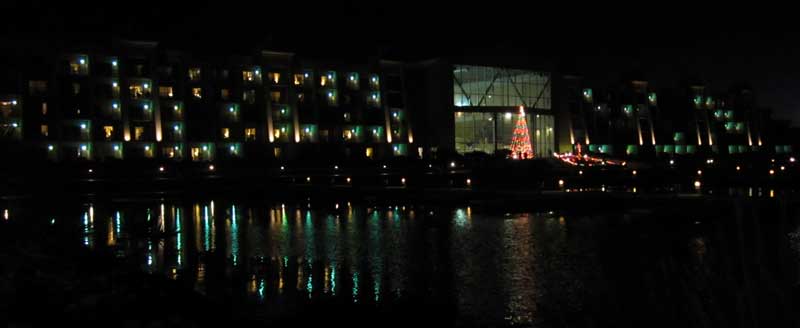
308,179
783,168
738,168
634,172
771,172
403,180
699,172
348,179
211,167
697,183
469,182
560,183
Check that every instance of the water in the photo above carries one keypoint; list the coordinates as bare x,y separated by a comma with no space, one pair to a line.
720,264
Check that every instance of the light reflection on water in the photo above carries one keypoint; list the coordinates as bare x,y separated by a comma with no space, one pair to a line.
512,268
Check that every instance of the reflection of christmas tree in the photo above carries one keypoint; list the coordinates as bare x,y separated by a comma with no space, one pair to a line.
521,139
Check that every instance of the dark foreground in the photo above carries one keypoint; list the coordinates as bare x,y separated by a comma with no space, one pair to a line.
242,260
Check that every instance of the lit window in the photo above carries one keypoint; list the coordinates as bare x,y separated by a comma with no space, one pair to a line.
44,108
76,88
138,133
194,74
248,76
226,133
274,77
109,131
275,96
45,130
79,65
328,79
250,134
197,93
369,152
165,91
374,82
225,94
347,117
299,79
352,81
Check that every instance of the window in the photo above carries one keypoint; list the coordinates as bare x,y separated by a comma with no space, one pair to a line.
226,133
479,86
197,93
250,134
79,65
194,74
45,130
332,98
37,88
374,82
299,79
223,74
248,76
44,108
138,133
76,88
274,77
139,90
165,91
328,79
109,131
374,99
275,96
352,81
249,96
347,117
368,152
224,94
481,132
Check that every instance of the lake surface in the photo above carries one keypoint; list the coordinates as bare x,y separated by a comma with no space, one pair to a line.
728,263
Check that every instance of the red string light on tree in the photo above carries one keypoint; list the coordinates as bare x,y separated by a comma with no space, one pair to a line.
521,140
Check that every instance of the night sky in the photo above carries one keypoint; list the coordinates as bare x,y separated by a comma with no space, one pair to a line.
666,43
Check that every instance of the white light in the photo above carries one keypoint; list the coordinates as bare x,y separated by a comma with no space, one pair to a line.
116,147
146,106
394,114
791,159
83,125
230,109
83,147
90,170
161,169
306,75
175,107
699,172
771,172
211,167
146,85
114,84
336,167
560,183
738,168
308,179
114,105
783,168
233,148
697,183
205,147
14,124
634,172
469,182
348,180
330,94
307,130
282,168
50,147
352,78
384,166
14,102
452,164
671,162
176,128
113,63
82,61
175,148
508,116
403,180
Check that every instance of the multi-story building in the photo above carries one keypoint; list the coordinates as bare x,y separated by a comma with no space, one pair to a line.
135,100
632,119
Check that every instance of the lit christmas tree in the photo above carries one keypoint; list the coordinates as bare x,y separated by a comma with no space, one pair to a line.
521,139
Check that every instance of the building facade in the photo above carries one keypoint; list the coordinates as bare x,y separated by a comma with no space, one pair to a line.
134,100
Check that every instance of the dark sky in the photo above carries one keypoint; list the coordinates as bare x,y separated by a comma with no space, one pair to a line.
666,42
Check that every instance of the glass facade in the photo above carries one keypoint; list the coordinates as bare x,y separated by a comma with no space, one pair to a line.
489,132
489,86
